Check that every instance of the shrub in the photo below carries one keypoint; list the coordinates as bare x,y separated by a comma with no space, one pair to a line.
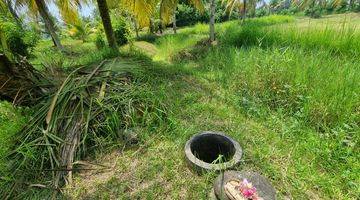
261,12
99,41
356,8
314,12
342,7
121,31
80,31
13,37
31,39
187,15
151,38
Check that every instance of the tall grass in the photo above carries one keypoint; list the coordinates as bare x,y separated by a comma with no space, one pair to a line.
272,70
170,45
319,88
11,122
314,72
77,53
309,78
344,40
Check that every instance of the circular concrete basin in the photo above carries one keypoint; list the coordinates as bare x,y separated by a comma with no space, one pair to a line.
212,151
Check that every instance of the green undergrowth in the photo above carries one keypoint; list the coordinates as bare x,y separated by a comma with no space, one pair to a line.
310,101
299,161
341,40
77,53
290,96
11,122
170,45
318,88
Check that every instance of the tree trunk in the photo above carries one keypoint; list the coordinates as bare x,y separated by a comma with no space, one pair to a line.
161,23
136,27
106,21
174,22
49,24
13,13
244,12
151,28
212,21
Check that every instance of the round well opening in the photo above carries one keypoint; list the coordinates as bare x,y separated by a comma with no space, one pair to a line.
209,148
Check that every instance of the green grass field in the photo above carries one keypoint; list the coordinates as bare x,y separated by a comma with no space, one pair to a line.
288,92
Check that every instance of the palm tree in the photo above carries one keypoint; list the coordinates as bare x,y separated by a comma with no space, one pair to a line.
212,21
241,5
80,30
168,10
174,22
39,7
143,10
68,10
106,21
6,6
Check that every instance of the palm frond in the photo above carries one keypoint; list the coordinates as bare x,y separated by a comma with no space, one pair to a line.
142,10
198,4
71,118
232,4
167,9
28,4
3,7
68,11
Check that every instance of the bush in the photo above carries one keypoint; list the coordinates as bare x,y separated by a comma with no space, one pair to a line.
261,12
356,8
80,31
99,41
151,38
121,31
31,38
17,42
343,7
313,12
187,15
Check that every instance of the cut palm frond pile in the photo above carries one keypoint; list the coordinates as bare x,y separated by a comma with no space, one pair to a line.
20,81
90,108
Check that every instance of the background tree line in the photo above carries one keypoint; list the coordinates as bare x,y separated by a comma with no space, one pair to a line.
117,20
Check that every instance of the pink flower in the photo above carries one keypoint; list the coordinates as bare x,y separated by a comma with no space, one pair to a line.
248,192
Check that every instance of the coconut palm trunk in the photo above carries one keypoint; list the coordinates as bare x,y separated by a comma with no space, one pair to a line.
244,12
174,22
13,13
151,28
43,11
212,21
161,23
135,27
106,21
